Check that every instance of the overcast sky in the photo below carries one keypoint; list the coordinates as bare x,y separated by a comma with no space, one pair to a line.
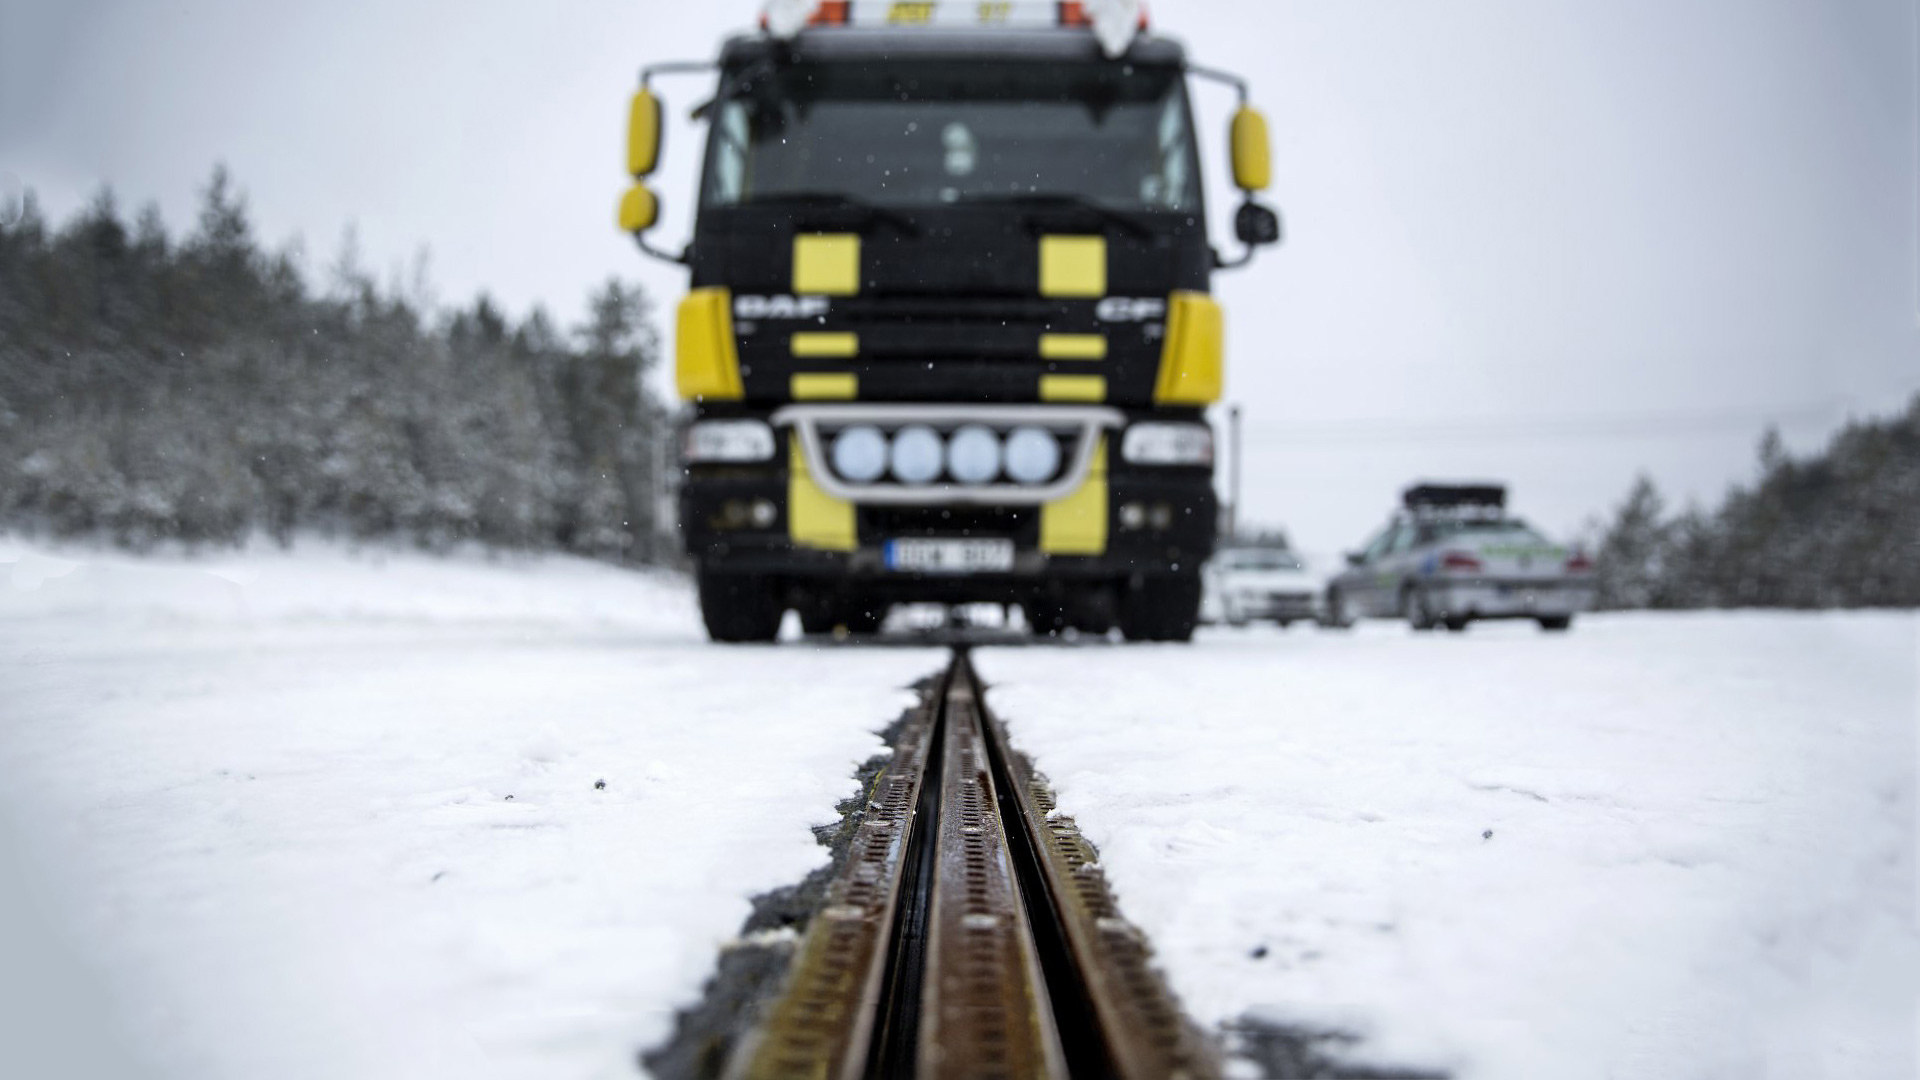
1553,242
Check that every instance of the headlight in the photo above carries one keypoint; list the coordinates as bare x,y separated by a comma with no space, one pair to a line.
1033,456
973,455
730,441
1168,444
860,454
918,455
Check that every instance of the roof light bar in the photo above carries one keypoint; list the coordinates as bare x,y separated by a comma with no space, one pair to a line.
1114,22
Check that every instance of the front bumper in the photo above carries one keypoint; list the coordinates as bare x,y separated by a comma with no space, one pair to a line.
1521,599
1157,521
1286,606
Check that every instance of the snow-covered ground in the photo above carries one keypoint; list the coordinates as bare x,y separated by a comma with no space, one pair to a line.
324,816
1675,846
254,821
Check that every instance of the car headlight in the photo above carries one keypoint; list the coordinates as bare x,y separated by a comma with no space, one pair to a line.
729,441
1168,444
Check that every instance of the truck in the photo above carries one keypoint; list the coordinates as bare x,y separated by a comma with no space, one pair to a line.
949,334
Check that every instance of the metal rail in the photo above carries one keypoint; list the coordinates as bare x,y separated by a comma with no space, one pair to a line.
971,933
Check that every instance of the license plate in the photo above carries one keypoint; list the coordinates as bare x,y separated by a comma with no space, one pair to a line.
950,556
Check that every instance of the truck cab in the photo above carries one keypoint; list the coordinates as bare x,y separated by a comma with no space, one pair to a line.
949,334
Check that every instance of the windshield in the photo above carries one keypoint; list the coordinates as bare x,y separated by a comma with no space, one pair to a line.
1260,560
935,133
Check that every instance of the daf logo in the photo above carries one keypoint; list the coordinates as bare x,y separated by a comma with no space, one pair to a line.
1129,309
779,307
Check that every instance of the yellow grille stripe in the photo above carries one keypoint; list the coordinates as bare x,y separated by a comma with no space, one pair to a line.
825,387
814,344
1079,388
1073,346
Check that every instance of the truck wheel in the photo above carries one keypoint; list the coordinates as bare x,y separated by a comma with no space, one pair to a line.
1046,616
1556,624
1094,610
864,617
740,607
1161,608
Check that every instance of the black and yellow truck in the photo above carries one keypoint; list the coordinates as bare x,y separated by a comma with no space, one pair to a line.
949,336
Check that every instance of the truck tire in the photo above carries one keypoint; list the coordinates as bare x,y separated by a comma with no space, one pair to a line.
1094,610
740,608
1046,616
1161,608
864,617
1556,624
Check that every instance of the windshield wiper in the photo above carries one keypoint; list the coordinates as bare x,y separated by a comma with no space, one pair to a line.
1063,201
830,200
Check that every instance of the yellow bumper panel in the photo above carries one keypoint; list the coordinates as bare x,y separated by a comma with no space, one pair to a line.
706,363
816,519
1077,524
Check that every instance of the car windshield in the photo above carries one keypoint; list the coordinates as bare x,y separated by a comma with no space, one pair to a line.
1114,135
1260,559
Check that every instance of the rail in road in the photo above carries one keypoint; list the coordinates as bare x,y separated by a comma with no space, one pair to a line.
970,933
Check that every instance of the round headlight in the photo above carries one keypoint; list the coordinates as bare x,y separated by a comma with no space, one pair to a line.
973,455
917,455
860,454
1033,455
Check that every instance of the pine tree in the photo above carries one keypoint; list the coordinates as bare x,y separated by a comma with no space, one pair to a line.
1627,572
195,391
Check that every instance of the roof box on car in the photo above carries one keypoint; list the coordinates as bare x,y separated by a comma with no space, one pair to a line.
1456,496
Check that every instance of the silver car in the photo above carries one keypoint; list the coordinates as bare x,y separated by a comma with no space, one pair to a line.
1453,555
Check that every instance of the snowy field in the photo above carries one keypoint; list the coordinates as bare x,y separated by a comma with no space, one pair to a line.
1673,847
255,822
324,817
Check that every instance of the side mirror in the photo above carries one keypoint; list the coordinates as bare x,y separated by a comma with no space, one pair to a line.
643,135
1355,558
639,209
1252,161
1256,225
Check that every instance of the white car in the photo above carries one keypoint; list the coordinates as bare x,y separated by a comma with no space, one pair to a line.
1241,584
1452,556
